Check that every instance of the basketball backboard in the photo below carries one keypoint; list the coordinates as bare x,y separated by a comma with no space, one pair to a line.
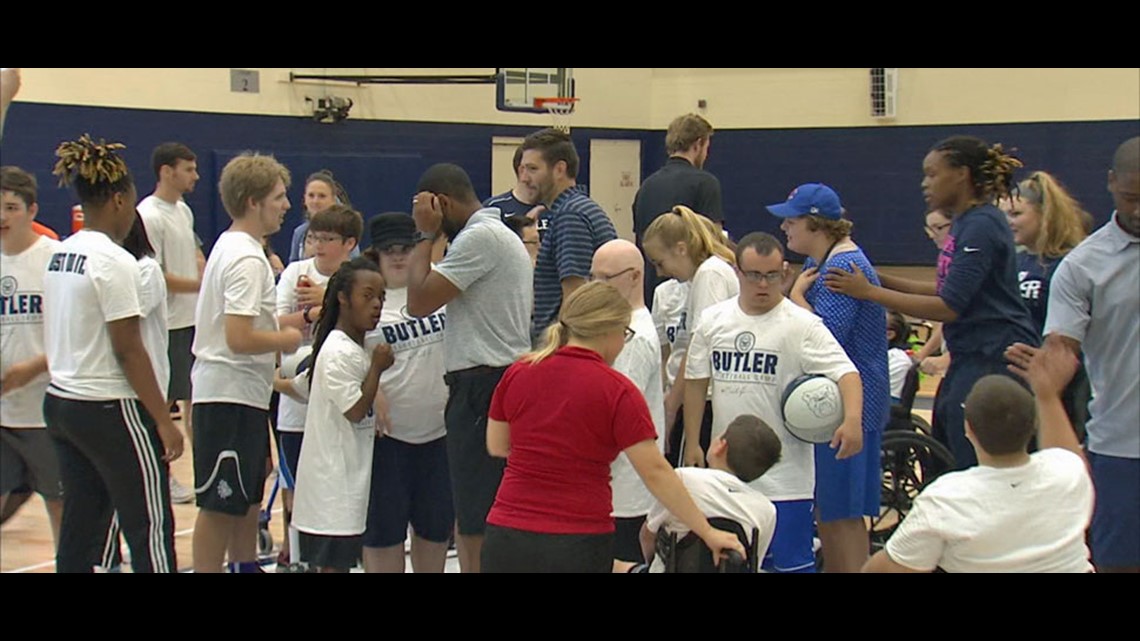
517,87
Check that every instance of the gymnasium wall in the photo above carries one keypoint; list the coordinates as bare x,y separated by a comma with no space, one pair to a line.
776,128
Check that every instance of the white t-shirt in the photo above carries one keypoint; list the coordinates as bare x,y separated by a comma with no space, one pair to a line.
22,328
290,413
669,300
750,361
238,281
414,387
1030,518
334,473
899,364
718,494
640,361
90,281
170,228
155,336
713,282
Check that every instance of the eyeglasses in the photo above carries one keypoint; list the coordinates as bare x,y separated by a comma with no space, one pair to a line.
324,239
629,334
937,229
771,277
606,279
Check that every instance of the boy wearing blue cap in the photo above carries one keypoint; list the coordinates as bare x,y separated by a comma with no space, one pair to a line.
845,490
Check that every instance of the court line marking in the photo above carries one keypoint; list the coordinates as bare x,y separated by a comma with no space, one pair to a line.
47,564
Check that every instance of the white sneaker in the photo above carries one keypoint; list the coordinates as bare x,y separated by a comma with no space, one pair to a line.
179,493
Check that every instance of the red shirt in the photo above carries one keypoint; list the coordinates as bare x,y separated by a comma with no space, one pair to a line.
569,416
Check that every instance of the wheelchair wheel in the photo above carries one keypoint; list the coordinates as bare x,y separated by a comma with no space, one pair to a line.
264,542
910,461
920,424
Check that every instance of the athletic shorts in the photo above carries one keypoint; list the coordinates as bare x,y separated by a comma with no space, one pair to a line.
475,474
340,553
851,488
231,450
792,550
410,485
28,460
288,454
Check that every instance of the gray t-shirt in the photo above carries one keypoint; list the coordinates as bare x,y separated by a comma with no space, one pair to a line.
1095,298
488,324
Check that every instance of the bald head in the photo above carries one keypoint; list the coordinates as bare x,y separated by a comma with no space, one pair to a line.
619,263
1124,185
1127,157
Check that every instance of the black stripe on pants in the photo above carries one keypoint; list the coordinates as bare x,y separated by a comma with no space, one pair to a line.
110,458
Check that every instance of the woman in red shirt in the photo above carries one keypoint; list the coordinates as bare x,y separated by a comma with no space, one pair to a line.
560,416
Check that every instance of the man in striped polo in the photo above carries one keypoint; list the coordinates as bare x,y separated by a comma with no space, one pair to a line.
578,226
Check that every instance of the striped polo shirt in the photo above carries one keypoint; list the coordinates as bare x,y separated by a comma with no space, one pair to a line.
578,226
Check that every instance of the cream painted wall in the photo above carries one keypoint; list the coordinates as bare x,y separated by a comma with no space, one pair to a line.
618,97
634,98
758,98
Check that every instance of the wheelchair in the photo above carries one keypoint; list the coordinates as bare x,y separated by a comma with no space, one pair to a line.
690,555
911,459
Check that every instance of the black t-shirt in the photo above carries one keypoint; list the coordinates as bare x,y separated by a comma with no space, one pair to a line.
677,183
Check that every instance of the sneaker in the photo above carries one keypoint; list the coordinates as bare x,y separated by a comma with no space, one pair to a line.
179,493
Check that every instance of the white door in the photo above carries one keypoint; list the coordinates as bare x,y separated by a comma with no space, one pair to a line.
503,176
615,175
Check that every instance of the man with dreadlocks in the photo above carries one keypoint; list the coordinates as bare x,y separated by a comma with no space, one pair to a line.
236,341
976,294
104,409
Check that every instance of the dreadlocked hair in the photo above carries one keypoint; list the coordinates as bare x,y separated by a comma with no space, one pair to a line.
96,170
341,282
991,169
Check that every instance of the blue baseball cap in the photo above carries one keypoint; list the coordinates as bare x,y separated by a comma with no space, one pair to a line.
815,199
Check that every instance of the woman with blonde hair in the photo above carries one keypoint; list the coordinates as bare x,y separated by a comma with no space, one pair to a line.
1049,223
553,509
685,245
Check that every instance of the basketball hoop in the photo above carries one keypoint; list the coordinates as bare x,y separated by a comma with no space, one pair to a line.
561,110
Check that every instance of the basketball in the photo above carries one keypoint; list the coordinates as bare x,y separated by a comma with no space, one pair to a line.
296,363
812,408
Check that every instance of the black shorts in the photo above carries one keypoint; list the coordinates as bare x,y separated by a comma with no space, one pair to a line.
231,447
410,484
475,474
627,539
178,349
340,553
28,460
288,455
516,551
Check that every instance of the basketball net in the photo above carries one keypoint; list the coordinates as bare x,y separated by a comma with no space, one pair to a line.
561,111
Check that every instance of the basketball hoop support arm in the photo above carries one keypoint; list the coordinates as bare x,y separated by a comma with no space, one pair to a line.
487,79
